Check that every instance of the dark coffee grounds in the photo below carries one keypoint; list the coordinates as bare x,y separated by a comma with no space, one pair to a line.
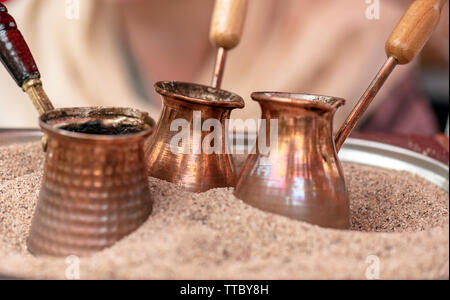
96,127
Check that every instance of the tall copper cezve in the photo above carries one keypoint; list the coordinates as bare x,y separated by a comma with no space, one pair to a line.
300,176
185,163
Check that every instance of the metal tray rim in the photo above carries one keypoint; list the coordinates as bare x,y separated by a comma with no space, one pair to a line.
354,150
395,158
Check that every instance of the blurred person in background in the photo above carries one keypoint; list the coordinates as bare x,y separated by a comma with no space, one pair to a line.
114,52
434,66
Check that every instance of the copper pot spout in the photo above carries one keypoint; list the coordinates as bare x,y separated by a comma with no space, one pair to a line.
300,177
185,162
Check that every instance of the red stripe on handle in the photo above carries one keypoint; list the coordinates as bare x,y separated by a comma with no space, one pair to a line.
14,51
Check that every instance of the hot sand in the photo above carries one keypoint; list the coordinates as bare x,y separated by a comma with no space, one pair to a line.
396,216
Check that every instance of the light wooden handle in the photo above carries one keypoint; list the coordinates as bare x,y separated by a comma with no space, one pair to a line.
228,23
414,29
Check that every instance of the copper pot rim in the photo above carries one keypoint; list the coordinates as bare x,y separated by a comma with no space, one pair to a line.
73,114
223,99
328,103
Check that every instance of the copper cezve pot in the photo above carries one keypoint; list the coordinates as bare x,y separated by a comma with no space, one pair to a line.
185,163
94,189
300,176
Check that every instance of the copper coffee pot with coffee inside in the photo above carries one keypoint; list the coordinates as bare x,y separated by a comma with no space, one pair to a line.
193,105
95,188
300,176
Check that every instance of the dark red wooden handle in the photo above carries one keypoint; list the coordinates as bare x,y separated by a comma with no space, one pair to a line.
14,51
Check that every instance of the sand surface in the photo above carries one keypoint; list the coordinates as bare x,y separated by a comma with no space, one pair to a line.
399,221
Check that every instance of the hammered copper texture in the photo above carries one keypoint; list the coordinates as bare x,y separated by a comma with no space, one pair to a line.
94,192
302,177
195,172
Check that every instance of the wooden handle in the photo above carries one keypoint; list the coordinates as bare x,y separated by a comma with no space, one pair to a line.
16,57
228,23
14,51
414,29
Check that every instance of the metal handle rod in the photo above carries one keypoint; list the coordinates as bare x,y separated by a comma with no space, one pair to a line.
219,68
38,96
365,101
